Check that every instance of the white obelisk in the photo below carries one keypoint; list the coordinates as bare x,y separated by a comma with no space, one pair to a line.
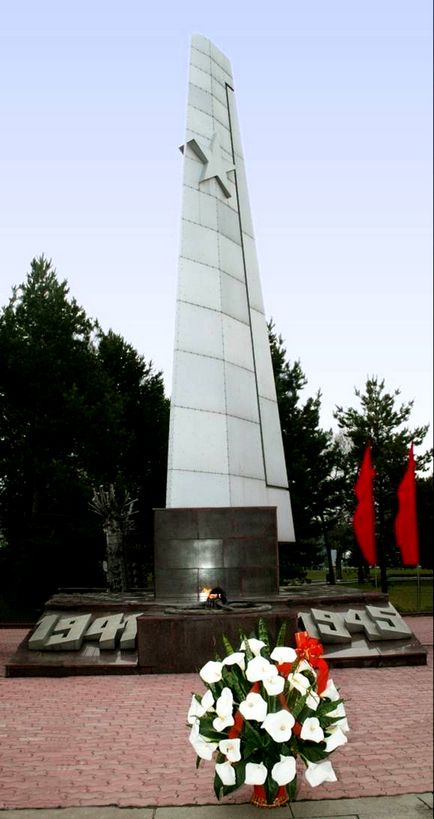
225,445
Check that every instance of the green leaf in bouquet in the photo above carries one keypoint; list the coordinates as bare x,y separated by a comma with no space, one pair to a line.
218,786
291,789
255,739
310,675
250,748
294,699
327,706
247,649
271,788
273,703
227,789
236,681
240,772
327,722
280,641
293,748
254,751
216,688
207,729
227,646
312,752
263,635
298,706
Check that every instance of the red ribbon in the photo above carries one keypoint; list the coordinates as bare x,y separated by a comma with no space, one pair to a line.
310,649
284,669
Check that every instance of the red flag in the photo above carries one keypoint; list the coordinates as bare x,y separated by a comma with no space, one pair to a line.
406,519
364,515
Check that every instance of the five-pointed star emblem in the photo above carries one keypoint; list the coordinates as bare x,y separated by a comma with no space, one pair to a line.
216,166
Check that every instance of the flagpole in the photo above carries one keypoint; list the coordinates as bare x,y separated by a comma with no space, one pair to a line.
380,546
418,595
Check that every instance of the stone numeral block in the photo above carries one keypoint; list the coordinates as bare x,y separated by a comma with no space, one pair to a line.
389,622
44,628
106,630
331,626
357,621
129,634
307,623
68,633
56,633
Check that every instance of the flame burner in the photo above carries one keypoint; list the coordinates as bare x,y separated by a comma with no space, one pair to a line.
215,601
216,598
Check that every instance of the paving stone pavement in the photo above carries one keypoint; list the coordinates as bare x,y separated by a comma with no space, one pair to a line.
394,807
115,747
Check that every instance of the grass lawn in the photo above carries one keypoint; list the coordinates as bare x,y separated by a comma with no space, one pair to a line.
403,593
403,587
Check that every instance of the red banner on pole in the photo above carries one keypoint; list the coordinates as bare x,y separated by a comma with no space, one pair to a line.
406,519
364,515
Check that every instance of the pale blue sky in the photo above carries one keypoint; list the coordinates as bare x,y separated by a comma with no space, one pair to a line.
334,100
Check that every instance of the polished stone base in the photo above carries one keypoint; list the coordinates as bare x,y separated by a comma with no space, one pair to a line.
187,641
232,547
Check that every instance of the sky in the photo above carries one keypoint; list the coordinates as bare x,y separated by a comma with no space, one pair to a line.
334,100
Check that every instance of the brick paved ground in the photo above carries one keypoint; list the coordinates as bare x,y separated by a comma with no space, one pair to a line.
82,741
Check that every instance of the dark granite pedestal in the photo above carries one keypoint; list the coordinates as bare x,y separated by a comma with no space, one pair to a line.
232,547
186,641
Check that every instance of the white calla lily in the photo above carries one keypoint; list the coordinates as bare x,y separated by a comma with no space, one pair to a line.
223,707
305,666
199,707
334,738
237,658
284,771
318,772
279,725
195,711
259,669
207,701
283,654
253,707
201,745
256,774
339,711
220,723
330,691
226,773
211,672
254,645
312,700
343,724
299,681
274,685
311,729
231,749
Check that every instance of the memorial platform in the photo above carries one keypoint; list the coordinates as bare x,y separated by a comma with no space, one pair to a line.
178,639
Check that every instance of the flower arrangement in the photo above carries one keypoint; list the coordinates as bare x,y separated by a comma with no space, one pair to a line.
263,708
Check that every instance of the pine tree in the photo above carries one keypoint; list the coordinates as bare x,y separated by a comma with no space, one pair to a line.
80,409
311,462
382,422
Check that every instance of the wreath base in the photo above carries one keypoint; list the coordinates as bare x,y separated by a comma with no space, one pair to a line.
259,797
